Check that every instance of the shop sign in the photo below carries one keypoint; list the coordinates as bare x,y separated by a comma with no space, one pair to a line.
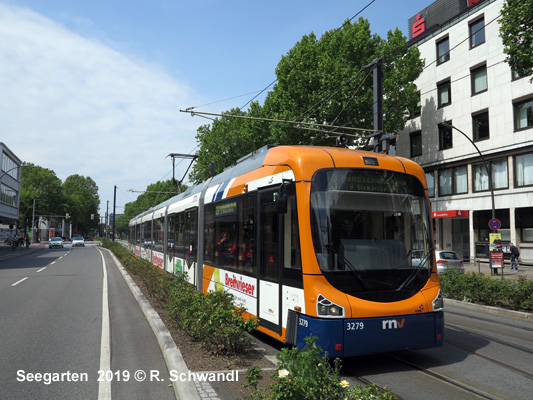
451,214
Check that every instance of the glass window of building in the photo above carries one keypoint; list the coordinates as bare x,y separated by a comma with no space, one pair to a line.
445,182
445,137
460,180
444,93
524,170
477,32
479,79
523,114
9,166
500,175
443,51
416,143
480,126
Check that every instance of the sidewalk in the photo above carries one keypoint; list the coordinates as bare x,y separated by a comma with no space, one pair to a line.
482,265
7,252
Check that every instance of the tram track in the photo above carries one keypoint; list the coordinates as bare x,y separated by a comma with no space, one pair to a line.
495,337
448,379
443,378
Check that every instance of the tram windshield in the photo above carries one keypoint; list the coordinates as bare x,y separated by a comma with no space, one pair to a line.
370,232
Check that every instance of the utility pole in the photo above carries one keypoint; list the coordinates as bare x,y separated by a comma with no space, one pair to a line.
380,142
378,100
114,212
106,219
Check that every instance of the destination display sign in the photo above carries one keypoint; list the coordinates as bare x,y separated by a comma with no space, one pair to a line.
226,208
373,181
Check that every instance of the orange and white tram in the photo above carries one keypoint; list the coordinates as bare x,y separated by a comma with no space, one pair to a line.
310,240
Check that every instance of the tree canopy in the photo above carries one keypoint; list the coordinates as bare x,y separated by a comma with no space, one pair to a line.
43,186
516,31
82,202
77,196
320,81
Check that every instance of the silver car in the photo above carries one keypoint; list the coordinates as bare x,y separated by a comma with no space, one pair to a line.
55,242
78,241
447,259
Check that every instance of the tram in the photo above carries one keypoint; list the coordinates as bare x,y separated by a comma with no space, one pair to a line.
310,240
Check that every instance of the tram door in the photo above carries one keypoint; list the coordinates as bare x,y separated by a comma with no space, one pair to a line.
270,262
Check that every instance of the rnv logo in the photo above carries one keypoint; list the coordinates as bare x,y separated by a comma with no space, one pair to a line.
392,324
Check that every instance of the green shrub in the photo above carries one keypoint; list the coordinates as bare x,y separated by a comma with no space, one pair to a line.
307,374
514,294
211,319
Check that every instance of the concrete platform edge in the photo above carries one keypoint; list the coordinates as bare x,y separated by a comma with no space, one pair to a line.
488,309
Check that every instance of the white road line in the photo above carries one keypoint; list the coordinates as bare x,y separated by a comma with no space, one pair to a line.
43,268
52,263
104,386
22,280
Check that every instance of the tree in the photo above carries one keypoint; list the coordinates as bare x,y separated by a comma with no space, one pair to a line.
82,202
322,82
43,186
227,139
516,31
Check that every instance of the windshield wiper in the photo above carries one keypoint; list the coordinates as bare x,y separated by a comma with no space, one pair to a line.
416,271
355,274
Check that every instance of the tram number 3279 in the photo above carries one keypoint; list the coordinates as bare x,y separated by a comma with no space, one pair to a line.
355,326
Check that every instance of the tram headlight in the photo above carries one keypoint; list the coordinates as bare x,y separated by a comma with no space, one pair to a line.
438,303
326,308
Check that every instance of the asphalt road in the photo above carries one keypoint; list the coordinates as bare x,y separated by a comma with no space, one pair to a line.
53,312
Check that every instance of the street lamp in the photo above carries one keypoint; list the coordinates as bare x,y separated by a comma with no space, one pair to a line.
487,166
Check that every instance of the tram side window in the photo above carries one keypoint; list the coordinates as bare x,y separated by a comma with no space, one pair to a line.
147,234
230,233
138,232
179,242
158,235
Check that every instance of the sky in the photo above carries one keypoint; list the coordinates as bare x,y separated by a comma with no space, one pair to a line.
95,88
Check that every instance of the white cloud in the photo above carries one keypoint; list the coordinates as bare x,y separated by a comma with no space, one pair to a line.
77,106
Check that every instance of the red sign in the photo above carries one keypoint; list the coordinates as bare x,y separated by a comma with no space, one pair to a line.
451,214
472,2
495,224
418,27
496,259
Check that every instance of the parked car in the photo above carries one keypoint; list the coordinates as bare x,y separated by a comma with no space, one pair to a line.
55,242
447,259
418,258
78,241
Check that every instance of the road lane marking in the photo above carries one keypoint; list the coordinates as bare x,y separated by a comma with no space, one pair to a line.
43,268
22,280
104,386
52,263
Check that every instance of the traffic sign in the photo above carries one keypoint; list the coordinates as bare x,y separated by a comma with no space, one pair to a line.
495,224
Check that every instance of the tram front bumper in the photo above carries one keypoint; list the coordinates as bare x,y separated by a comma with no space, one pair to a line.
356,337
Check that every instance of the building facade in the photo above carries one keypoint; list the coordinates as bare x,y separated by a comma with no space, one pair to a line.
9,188
476,116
